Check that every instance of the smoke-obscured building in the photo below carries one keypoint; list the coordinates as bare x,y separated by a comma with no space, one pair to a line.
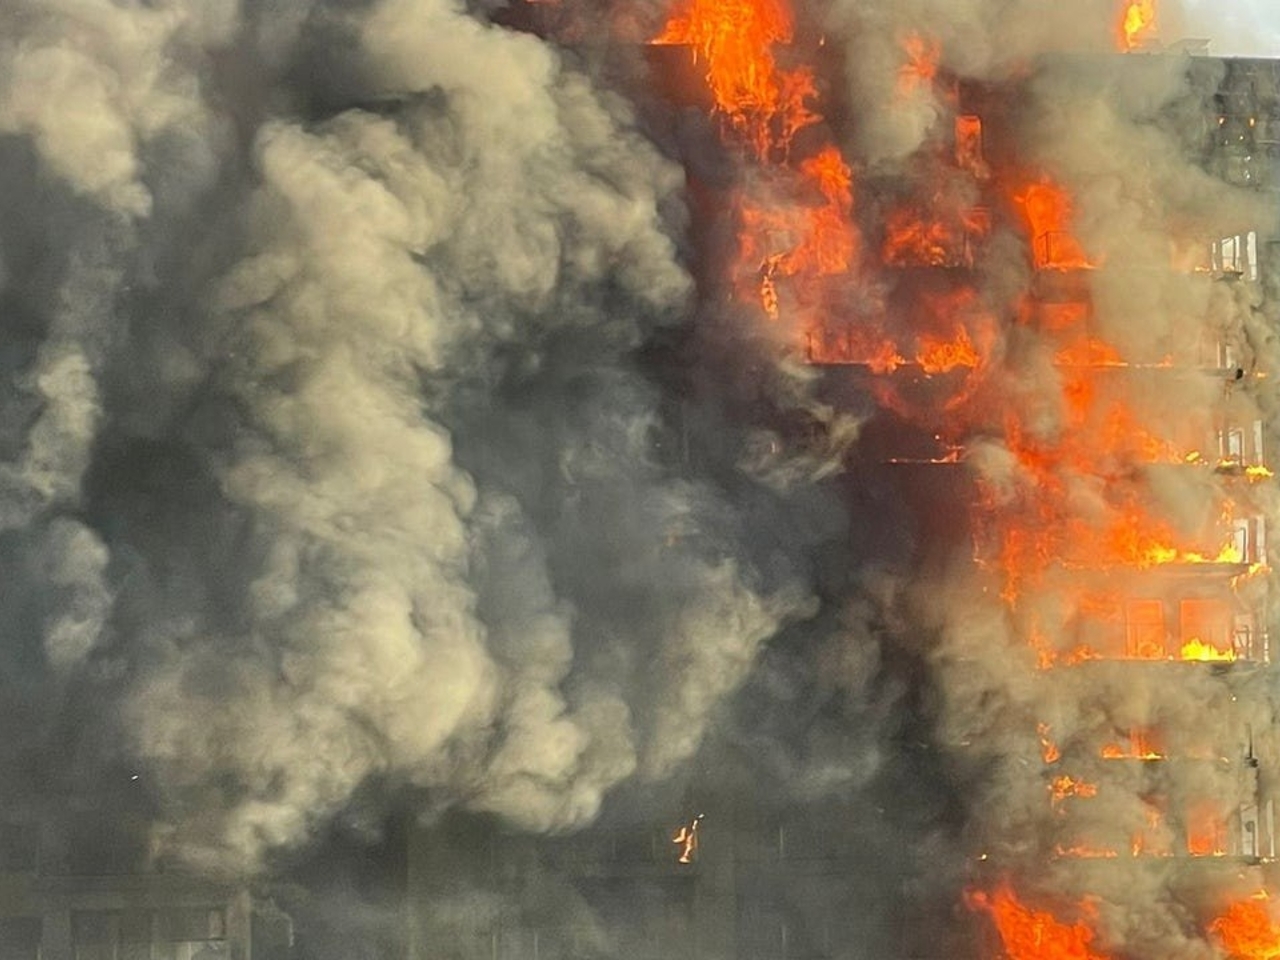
1157,656
79,888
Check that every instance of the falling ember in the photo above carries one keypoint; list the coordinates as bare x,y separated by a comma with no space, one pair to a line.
1062,787
1247,932
687,839
1137,23
1029,934
1049,751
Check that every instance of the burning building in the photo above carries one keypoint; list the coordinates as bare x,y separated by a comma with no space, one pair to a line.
1059,299
720,479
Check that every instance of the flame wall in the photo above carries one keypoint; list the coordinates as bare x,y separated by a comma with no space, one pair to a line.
1058,288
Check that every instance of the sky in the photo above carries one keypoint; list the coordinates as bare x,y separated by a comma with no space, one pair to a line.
1247,28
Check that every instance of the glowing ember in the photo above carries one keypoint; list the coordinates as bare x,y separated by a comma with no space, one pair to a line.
1062,787
1029,934
1137,23
1247,931
687,839
1049,751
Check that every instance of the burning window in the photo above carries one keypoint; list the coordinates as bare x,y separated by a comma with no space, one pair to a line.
1151,838
1140,743
969,146
1206,830
1205,629
1237,255
1238,444
1144,629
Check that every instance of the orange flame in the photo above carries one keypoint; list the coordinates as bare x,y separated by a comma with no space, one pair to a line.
808,233
1062,787
686,837
1141,745
968,135
921,65
764,103
946,239
812,237
1049,751
1247,931
939,356
1046,208
1137,23
1029,934
1206,830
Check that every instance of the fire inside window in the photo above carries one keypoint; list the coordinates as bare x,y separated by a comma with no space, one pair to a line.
969,146
1206,830
1144,634
1206,622
1237,256
1238,445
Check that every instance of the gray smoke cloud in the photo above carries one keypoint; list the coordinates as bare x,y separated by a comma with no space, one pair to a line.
349,513
335,467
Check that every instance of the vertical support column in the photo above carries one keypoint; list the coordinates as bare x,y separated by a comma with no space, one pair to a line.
715,895
55,934
239,926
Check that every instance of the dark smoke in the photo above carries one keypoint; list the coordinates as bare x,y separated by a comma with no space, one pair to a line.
381,469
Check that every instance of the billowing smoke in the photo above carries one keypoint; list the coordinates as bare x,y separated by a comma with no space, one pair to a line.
391,432
331,458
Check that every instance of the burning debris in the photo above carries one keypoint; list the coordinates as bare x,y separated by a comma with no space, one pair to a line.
686,839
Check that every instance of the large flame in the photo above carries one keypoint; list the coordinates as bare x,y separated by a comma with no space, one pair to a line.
763,102
1137,23
1247,931
794,220
1047,209
1029,934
